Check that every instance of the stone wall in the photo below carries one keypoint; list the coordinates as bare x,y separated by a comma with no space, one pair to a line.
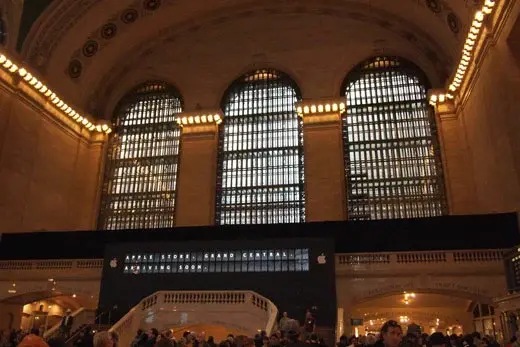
49,175
491,121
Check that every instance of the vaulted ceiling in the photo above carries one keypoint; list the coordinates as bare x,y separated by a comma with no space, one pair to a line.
94,51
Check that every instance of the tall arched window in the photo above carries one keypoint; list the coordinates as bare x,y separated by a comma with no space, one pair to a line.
141,170
392,156
260,173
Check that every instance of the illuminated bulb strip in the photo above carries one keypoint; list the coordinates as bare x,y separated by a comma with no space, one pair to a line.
311,107
59,104
467,53
440,98
195,118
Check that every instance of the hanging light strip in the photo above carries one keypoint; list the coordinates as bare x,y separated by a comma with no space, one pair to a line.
468,52
312,107
199,118
9,66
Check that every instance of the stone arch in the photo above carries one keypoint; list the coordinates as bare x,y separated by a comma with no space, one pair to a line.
435,80
474,296
468,286
115,96
291,73
109,80
28,297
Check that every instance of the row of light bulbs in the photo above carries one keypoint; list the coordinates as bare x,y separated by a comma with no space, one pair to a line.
468,52
199,119
440,98
8,65
469,45
320,108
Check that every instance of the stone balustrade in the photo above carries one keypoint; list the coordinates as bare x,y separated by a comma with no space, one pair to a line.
459,260
211,301
34,269
346,262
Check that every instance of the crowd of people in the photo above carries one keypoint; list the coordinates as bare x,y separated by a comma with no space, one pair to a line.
391,335
290,334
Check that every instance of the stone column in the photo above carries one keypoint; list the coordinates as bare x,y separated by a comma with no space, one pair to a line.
324,162
340,328
456,160
197,172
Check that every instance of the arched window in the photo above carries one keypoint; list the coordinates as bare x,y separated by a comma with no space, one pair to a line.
141,170
260,173
392,158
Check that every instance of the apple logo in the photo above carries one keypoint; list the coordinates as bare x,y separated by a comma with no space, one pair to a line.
322,259
113,263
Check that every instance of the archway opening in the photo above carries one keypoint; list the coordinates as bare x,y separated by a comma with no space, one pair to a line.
428,312
43,309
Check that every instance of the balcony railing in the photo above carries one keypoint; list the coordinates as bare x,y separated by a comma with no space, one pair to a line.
342,260
227,300
425,257
65,264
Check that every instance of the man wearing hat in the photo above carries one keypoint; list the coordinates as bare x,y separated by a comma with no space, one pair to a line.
66,324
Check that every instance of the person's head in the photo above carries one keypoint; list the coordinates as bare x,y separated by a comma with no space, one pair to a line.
293,336
413,338
467,341
392,333
68,312
437,340
164,343
103,339
153,333
285,314
371,340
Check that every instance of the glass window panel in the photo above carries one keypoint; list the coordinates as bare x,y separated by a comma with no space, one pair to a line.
260,176
141,171
392,157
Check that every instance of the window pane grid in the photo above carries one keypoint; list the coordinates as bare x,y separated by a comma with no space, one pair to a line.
260,176
392,157
141,170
